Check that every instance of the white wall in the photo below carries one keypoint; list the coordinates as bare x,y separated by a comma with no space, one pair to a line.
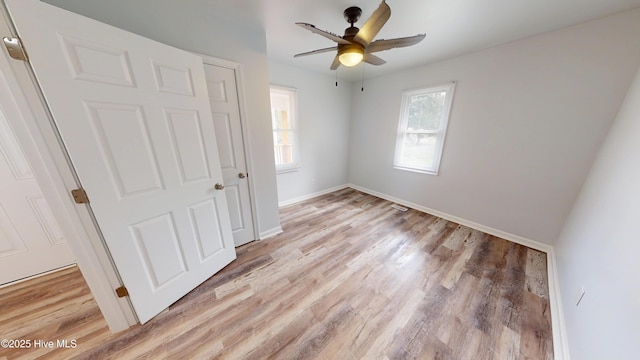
527,121
323,120
220,35
599,247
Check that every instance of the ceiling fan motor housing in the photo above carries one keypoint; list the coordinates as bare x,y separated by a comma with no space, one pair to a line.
355,46
352,14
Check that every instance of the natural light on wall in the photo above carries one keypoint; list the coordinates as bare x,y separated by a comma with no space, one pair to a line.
283,120
422,127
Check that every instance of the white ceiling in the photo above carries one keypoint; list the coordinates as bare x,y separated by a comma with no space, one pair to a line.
453,27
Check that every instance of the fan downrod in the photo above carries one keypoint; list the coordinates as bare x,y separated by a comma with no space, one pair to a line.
352,14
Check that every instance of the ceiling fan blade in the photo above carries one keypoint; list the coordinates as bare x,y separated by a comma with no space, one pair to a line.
335,63
373,25
319,51
328,35
380,45
373,60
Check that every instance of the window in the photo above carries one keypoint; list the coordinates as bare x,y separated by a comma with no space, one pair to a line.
283,120
424,114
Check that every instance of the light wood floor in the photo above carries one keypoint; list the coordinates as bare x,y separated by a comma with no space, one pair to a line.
350,278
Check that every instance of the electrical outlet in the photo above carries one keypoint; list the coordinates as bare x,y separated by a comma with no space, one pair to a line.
580,295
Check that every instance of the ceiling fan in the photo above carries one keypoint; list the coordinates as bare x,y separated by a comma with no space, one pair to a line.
357,45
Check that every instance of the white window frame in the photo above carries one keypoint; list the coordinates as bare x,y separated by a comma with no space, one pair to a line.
440,133
293,103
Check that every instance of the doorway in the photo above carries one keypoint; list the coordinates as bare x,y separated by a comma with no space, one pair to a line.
31,241
222,85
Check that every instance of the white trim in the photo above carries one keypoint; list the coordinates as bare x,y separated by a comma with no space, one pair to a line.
271,233
558,328
485,229
55,175
212,60
292,94
288,170
441,134
311,196
38,275
237,69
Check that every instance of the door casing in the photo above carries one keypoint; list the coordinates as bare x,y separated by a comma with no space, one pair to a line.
237,69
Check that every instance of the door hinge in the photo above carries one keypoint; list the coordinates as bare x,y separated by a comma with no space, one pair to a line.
122,291
80,196
15,48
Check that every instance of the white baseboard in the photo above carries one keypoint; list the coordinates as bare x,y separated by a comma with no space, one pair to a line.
558,327
269,233
485,229
37,276
560,345
311,196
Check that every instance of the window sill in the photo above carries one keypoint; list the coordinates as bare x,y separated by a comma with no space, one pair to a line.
421,171
287,170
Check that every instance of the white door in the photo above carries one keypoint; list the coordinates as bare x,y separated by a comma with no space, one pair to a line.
223,96
31,241
135,119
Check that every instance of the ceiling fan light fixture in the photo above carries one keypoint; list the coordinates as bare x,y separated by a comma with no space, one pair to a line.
357,44
351,56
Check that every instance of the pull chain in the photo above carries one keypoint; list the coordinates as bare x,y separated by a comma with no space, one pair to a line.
362,85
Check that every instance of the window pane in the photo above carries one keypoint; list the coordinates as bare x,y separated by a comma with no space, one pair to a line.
425,111
283,147
281,119
418,150
280,109
422,127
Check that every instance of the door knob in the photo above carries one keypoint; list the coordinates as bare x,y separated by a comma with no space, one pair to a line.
242,175
219,186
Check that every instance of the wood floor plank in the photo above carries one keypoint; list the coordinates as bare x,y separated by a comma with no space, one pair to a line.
536,273
349,278
508,345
